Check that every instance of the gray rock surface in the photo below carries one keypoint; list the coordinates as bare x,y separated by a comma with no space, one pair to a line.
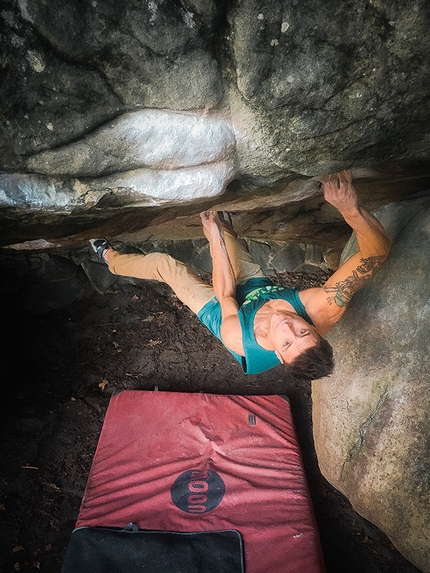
147,138
307,88
371,417
331,82
73,65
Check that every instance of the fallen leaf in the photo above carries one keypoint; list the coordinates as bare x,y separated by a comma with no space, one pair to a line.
103,384
17,548
135,297
36,564
16,567
73,399
154,342
114,330
53,486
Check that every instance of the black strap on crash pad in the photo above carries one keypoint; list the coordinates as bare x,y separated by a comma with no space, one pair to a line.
109,550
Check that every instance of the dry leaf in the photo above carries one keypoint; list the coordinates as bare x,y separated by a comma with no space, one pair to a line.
103,384
154,342
53,486
16,567
36,564
17,548
73,399
135,297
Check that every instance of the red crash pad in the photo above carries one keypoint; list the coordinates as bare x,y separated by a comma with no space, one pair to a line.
204,462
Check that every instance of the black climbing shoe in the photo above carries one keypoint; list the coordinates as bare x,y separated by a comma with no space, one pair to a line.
100,246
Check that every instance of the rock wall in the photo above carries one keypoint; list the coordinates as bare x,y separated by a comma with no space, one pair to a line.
371,417
158,105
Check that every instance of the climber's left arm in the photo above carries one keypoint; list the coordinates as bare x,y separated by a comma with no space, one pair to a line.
326,305
224,282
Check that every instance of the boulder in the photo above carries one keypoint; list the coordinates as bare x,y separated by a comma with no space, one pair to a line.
110,106
73,65
371,418
330,84
151,138
138,187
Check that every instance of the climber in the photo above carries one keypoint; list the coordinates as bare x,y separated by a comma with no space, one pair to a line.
262,324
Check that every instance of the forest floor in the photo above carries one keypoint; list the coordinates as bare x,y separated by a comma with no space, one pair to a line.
60,369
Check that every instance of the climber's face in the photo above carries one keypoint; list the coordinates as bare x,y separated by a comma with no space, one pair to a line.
291,335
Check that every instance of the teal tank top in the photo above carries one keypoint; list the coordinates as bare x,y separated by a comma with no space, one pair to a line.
251,296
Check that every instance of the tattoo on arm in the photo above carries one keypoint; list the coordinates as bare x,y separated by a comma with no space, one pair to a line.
344,290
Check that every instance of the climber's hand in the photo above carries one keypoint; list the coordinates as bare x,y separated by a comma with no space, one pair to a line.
339,192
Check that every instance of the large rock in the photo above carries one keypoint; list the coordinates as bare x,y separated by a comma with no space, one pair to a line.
372,417
147,138
336,82
304,89
72,65
148,158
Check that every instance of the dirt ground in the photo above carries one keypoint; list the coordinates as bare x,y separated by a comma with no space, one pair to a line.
59,370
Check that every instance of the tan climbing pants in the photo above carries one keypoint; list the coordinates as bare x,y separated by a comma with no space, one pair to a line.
188,287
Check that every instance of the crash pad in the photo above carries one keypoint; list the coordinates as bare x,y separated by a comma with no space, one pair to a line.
183,462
